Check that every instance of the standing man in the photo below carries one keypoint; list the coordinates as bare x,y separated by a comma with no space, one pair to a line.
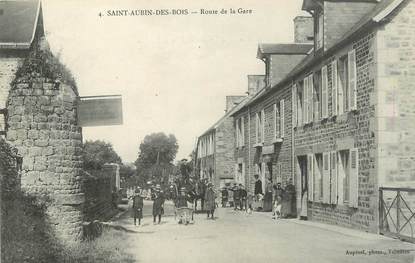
258,186
268,196
224,194
158,204
243,196
137,206
236,196
210,197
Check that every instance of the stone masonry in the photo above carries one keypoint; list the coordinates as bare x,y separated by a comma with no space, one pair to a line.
42,122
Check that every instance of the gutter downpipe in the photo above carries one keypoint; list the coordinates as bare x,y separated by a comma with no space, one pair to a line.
249,147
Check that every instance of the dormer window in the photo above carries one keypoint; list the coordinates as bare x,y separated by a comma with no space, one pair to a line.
319,24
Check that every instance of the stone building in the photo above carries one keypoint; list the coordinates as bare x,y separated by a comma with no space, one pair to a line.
348,113
214,156
38,97
266,150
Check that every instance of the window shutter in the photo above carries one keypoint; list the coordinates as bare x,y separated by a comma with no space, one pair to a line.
236,173
340,179
275,121
256,127
236,133
243,174
310,98
354,177
334,88
324,93
294,105
281,113
305,101
263,176
310,173
333,177
326,177
243,130
352,80
263,126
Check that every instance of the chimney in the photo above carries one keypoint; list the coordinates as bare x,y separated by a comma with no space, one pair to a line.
304,29
255,83
232,101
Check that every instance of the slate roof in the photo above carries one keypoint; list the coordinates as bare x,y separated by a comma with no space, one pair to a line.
288,49
18,23
227,114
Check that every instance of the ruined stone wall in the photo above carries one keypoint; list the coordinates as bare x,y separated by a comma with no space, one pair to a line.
42,122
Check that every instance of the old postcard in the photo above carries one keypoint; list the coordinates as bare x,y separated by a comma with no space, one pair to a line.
207,131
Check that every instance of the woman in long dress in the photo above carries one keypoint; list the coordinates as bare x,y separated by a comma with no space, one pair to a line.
268,197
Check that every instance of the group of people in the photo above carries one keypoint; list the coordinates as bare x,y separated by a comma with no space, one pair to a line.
281,201
239,196
180,200
138,204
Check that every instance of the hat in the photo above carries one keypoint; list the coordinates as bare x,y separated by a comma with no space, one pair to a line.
158,187
137,191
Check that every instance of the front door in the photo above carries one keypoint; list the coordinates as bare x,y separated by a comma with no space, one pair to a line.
302,162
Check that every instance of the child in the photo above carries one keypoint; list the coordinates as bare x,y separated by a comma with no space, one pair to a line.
137,206
278,201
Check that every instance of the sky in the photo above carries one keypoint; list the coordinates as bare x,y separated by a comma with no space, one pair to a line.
173,71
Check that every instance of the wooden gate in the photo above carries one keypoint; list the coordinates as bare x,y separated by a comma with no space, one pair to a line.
397,213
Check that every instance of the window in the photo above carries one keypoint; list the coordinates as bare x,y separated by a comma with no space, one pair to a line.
333,177
318,180
260,126
300,102
319,25
334,93
348,182
343,90
240,132
347,85
324,93
308,99
279,119
317,96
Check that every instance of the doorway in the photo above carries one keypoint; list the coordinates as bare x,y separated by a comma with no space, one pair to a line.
302,163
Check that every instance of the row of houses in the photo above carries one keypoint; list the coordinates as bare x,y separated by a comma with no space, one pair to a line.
334,112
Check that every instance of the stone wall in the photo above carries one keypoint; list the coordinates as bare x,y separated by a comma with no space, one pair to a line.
224,150
395,122
98,196
42,122
10,61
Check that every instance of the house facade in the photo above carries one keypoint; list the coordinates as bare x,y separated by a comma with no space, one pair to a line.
340,122
214,148
266,150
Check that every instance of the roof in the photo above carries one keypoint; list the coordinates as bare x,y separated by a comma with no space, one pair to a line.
18,23
227,114
287,49
313,4
378,15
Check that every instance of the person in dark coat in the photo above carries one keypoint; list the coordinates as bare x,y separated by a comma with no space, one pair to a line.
158,204
258,185
225,195
210,197
137,206
236,197
268,196
243,196
288,201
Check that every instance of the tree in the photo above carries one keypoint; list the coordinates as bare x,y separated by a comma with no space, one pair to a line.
157,148
97,153
157,151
